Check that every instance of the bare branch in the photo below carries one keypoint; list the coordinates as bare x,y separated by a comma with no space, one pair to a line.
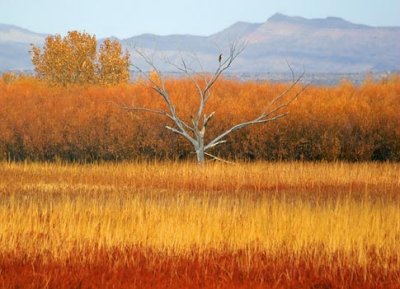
194,55
218,159
234,52
137,108
175,130
207,118
189,73
291,70
285,92
161,90
222,66
133,108
217,143
187,126
273,111
258,120
286,104
204,92
183,133
264,117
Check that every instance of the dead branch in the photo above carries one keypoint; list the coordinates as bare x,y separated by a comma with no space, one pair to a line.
195,133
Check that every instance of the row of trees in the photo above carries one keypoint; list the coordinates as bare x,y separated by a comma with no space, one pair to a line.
75,59
86,123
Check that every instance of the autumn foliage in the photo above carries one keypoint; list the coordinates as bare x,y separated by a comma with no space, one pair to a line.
74,59
86,123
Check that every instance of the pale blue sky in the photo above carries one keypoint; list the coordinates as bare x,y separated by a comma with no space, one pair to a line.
124,18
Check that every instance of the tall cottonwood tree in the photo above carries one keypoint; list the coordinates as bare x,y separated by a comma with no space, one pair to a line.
113,64
195,130
74,59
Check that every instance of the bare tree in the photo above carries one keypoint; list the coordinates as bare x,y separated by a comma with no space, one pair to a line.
195,131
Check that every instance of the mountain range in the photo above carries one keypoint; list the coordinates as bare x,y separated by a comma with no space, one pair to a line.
329,45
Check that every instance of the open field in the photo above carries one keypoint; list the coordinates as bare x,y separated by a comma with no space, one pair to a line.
178,225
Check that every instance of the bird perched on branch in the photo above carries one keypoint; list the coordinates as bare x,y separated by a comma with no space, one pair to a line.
220,58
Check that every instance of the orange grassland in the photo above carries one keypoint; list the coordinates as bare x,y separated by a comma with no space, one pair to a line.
179,225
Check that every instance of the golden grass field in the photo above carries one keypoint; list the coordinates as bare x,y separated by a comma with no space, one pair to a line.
180,225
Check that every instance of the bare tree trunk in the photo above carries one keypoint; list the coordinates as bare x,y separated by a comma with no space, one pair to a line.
195,132
200,151
200,155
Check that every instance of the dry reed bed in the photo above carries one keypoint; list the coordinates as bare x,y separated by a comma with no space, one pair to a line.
265,225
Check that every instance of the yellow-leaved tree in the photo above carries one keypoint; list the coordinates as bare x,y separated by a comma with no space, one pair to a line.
113,65
74,59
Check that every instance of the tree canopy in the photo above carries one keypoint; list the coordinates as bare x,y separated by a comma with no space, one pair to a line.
75,59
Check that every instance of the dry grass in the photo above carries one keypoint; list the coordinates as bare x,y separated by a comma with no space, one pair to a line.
277,224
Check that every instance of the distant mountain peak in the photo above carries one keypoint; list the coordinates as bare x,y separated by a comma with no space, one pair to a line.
336,19
337,22
235,31
279,17
12,33
328,22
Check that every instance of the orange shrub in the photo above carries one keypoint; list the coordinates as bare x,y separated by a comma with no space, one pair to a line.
84,123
